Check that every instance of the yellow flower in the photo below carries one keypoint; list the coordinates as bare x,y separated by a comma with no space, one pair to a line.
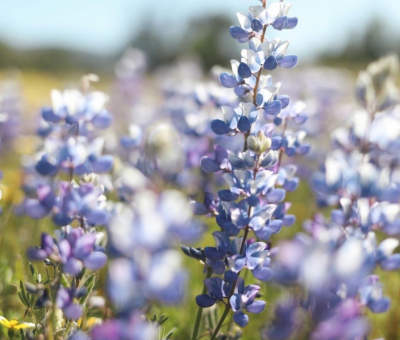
13,324
90,322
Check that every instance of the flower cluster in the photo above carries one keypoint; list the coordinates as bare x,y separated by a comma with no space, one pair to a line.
335,262
71,147
256,176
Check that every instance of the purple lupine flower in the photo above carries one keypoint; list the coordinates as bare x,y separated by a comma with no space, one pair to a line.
346,322
275,55
75,153
384,254
236,120
81,202
219,163
209,206
277,16
371,295
285,322
294,111
217,291
78,250
216,255
73,106
254,258
135,327
79,335
240,85
43,205
95,162
280,214
244,300
65,301
47,249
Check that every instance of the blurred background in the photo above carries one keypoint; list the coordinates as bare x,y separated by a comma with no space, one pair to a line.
91,35
54,41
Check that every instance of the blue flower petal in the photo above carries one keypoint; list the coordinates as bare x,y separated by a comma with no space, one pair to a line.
276,143
391,263
213,253
276,195
291,23
205,300
270,63
227,195
244,124
72,311
95,260
230,276
49,116
73,266
244,70
219,127
45,168
84,245
97,217
103,164
285,100
228,80
288,220
239,34
262,274
129,143
264,233
291,185
102,121
288,61
36,254
273,108
208,165
275,226
237,263
241,90
280,23
256,307
34,209
256,25
241,319
253,201
379,306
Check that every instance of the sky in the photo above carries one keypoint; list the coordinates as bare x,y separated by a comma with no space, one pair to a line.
105,26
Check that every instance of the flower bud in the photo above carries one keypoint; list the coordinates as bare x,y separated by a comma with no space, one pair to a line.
252,143
264,142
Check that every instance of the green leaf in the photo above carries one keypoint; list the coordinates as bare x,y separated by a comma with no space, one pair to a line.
23,295
23,300
89,284
34,272
64,281
169,335
162,319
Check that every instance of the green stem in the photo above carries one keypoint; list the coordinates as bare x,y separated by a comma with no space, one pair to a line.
67,329
200,310
54,306
33,317
221,321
